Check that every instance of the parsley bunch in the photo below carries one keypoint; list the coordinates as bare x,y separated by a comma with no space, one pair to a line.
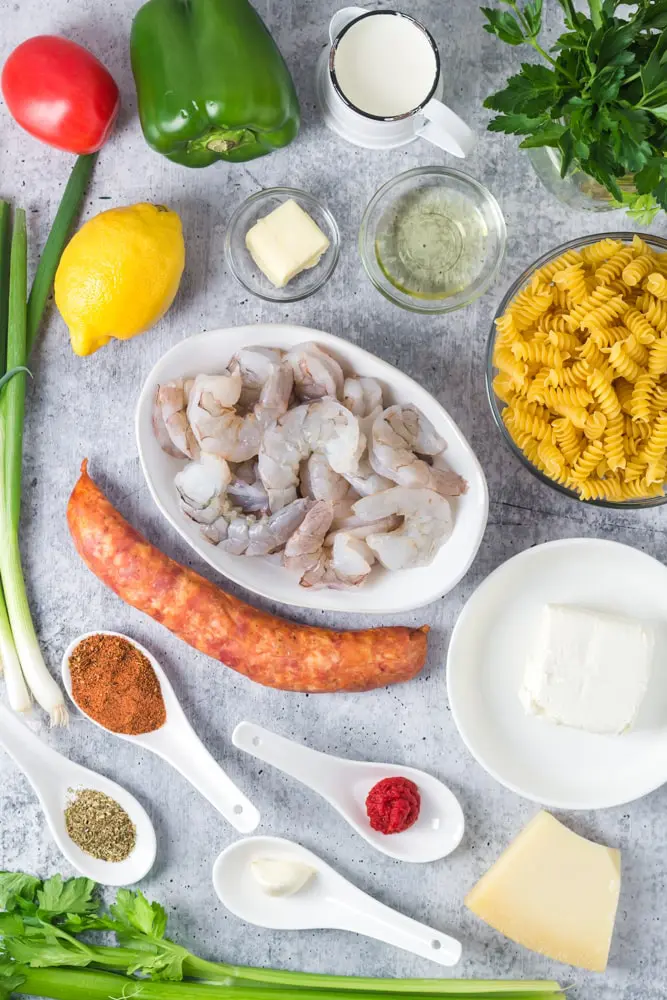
599,97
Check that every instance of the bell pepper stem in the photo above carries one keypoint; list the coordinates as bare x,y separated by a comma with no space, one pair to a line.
221,140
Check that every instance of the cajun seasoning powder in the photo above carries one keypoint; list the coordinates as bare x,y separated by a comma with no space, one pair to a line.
100,826
115,684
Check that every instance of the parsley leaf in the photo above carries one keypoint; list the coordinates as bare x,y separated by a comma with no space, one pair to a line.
504,25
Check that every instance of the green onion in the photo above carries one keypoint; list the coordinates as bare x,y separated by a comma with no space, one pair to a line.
12,406
10,665
5,240
20,655
55,243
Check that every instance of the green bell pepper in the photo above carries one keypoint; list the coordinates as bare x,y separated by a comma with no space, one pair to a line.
211,83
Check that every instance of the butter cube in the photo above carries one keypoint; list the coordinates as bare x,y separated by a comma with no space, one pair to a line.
286,242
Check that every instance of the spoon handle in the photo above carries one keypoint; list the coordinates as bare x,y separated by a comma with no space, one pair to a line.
362,914
310,767
188,755
24,747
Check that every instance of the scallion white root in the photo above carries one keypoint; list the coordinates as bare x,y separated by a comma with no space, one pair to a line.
17,690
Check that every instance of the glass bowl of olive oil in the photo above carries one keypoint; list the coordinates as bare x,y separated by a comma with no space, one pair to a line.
432,239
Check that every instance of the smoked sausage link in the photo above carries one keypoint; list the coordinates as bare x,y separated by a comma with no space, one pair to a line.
269,650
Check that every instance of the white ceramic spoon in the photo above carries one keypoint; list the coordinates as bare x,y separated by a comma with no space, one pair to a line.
54,778
178,744
327,901
345,785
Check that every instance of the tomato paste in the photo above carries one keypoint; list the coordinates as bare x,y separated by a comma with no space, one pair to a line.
393,805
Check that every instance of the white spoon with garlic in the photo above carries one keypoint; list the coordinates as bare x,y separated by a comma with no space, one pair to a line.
279,884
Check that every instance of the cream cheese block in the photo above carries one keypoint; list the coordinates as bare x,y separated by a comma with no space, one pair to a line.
286,242
588,670
553,892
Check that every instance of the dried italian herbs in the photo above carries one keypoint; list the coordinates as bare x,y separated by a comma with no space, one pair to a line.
100,826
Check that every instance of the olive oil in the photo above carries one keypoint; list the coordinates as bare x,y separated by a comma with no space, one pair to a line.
431,243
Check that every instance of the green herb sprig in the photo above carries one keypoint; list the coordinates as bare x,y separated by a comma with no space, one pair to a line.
599,96
43,954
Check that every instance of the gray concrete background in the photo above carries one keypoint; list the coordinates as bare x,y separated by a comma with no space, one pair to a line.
84,407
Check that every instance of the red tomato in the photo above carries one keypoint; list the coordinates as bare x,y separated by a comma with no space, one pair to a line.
60,93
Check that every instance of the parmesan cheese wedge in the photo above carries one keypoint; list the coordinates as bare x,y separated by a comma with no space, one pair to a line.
553,892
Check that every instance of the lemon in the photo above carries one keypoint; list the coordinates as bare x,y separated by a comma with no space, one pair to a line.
119,274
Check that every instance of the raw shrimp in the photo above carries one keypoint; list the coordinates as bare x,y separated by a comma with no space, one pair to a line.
303,550
362,396
360,528
324,426
249,498
242,534
365,481
170,422
219,429
255,365
398,436
330,428
346,564
316,373
202,486
427,523
319,481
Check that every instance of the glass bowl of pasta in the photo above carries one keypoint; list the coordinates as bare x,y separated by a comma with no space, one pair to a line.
577,369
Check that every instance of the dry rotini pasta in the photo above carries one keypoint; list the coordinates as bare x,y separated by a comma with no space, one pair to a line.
598,253
613,267
619,358
563,341
635,350
655,312
581,354
657,359
638,269
640,407
568,438
638,324
656,284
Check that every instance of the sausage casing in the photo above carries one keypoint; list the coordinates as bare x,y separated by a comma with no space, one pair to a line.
263,647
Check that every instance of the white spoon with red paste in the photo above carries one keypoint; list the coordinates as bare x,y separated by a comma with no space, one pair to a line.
405,813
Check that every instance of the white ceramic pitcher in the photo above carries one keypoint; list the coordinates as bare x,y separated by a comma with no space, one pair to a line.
429,119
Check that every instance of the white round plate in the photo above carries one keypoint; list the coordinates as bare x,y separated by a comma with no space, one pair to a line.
384,592
555,765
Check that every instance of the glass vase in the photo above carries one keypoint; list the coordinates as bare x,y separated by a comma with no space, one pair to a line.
577,189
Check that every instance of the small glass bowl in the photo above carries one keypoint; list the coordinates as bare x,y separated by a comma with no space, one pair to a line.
243,267
484,244
658,243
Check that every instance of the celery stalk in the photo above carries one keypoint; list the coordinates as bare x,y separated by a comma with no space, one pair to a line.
201,969
88,984
243,978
